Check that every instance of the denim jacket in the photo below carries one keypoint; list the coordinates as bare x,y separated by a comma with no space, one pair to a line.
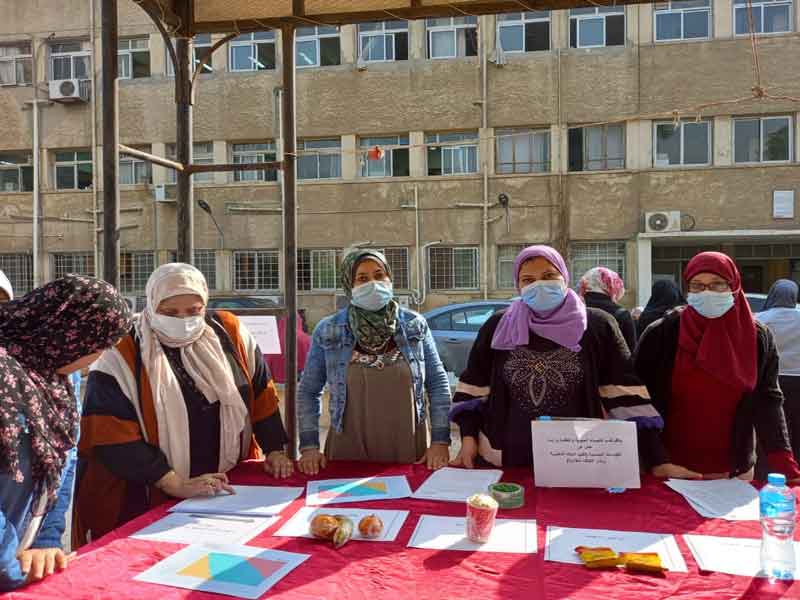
331,349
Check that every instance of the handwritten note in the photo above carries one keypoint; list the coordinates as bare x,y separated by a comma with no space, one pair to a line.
264,330
593,454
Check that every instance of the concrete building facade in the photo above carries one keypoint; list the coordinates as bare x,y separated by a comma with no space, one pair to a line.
566,128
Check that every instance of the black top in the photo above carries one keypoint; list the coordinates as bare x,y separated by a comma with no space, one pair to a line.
760,411
620,314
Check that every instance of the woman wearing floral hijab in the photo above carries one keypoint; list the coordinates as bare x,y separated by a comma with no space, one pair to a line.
53,331
603,288
378,360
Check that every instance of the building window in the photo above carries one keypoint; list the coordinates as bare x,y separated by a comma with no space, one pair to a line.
769,16
201,47
684,143
585,256
766,139
506,255
69,60
319,159
384,41
317,47
256,271
599,148
398,264
522,151
135,269
202,154
597,26
524,32
683,20
395,161
252,52
206,263
135,171
134,58
317,270
452,153
254,153
73,170
78,263
19,270
16,171
16,64
452,37
453,268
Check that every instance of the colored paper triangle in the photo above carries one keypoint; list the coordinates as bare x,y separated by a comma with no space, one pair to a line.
266,567
200,569
231,568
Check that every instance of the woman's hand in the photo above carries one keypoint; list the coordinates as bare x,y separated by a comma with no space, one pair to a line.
205,485
38,563
436,456
668,470
311,461
278,464
467,454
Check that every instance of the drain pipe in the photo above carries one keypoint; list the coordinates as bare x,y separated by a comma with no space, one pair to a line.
484,162
417,295
93,100
36,155
424,287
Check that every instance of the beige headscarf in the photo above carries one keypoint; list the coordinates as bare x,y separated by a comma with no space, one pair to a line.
206,363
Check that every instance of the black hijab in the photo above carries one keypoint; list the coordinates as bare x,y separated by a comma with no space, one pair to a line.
665,296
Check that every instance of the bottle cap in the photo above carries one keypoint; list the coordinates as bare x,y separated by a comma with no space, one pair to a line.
776,479
545,418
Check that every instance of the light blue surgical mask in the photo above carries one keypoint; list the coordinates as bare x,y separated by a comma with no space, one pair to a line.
544,296
711,305
372,296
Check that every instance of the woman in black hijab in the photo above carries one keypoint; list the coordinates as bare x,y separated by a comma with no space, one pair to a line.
665,296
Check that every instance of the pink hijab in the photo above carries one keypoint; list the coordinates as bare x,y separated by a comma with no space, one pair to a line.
604,281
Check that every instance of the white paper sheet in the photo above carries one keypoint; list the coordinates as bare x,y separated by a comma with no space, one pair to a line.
187,528
393,520
264,330
241,571
456,485
585,454
337,491
254,500
736,556
449,533
730,499
562,541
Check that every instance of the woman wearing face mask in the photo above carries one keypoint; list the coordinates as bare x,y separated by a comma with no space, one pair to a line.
713,374
178,403
53,331
547,355
602,288
378,360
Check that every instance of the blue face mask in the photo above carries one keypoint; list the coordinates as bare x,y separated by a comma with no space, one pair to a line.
711,305
544,296
372,296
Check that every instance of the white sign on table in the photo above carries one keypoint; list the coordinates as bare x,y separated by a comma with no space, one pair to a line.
456,485
186,528
264,330
299,524
449,533
585,453
736,556
562,541
253,500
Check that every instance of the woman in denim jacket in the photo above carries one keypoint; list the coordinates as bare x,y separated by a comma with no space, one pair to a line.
378,360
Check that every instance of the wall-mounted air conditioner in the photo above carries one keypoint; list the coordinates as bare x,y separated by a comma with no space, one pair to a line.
662,221
70,90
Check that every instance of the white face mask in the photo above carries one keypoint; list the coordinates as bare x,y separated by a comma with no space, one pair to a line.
178,329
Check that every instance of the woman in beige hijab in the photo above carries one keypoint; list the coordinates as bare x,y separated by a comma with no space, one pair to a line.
178,403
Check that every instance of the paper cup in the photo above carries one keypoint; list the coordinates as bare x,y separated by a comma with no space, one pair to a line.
481,513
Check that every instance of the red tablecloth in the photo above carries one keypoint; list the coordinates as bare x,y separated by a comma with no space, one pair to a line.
378,570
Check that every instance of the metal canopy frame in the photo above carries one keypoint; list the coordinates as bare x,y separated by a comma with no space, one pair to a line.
183,19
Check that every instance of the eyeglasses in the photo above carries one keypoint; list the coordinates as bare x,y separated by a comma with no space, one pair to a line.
717,286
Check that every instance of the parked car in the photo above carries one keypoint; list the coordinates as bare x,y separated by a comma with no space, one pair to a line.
455,327
137,303
757,302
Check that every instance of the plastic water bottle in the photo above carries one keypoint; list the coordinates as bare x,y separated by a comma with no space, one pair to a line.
777,507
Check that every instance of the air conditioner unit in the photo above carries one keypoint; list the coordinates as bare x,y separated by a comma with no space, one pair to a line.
164,192
69,90
662,222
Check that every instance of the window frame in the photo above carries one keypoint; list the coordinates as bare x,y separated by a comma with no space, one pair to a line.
260,155
452,27
316,37
127,54
505,260
139,272
18,167
452,146
523,21
75,164
592,16
198,158
682,11
383,33
682,164
761,120
401,142
474,250
253,44
405,269
315,255
15,59
73,55
88,268
531,133
208,68
135,165
602,256
259,255
605,159
18,267
761,4
304,152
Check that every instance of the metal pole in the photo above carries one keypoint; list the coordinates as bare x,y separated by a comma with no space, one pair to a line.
288,145
109,35
37,154
183,146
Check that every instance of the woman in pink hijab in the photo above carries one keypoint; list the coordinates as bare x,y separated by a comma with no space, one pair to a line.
602,288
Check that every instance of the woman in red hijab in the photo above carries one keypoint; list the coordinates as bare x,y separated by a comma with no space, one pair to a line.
712,372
